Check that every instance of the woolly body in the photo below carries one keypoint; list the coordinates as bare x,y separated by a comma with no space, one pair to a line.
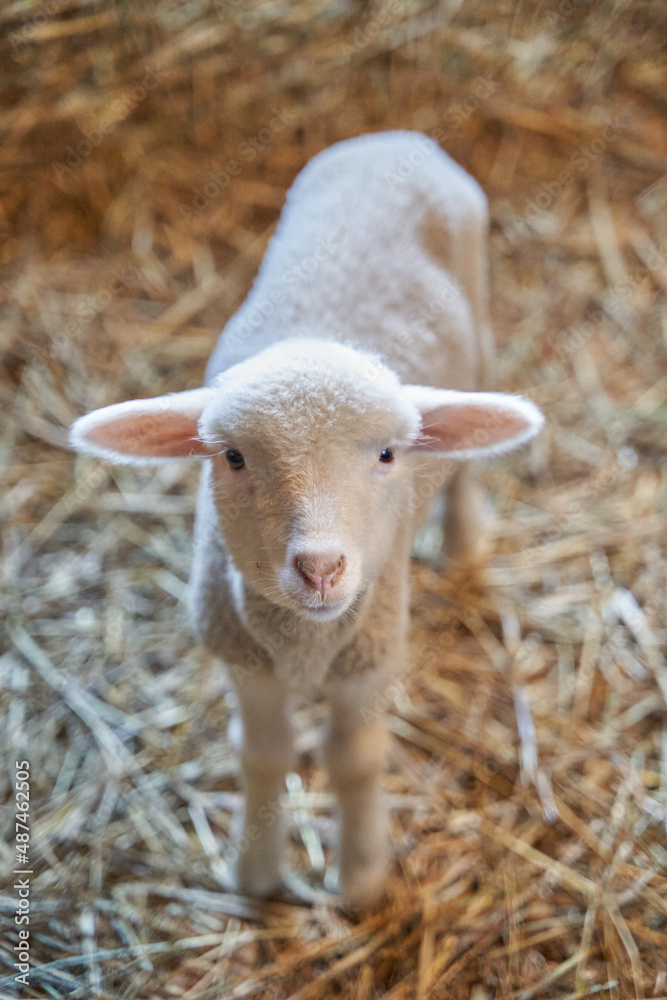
398,269
389,264
331,398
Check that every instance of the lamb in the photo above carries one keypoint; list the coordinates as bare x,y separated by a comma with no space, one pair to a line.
350,387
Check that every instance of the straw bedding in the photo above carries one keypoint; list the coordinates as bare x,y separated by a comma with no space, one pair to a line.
144,160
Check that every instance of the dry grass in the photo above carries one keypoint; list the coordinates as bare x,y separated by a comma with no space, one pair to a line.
530,859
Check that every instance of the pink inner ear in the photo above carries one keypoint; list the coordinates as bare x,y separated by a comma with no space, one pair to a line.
164,435
465,427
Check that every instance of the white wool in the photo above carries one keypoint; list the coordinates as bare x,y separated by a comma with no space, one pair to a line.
355,358
363,256
298,389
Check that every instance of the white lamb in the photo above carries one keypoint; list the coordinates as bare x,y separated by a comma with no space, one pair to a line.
331,399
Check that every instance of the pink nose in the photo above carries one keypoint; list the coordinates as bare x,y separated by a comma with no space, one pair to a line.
320,570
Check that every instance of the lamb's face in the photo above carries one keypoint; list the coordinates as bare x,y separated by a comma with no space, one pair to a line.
311,472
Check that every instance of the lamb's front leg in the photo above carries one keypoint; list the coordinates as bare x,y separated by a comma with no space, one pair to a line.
267,753
355,751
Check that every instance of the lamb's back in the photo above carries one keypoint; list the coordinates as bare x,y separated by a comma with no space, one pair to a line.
374,249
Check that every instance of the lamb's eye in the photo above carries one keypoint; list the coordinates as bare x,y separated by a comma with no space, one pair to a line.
235,458
387,456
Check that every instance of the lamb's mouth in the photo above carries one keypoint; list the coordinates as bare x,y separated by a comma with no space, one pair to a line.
329,609
323,612
305,604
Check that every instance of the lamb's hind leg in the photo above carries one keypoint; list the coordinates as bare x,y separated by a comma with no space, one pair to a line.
465,527
267,753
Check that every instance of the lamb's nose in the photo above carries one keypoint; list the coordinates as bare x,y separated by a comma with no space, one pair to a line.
320,570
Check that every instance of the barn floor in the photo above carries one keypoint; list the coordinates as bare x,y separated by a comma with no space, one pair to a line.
145,155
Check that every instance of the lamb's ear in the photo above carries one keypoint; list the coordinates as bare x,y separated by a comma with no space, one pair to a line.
472,424
144,431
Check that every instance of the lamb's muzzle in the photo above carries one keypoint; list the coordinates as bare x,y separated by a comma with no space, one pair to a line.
336,407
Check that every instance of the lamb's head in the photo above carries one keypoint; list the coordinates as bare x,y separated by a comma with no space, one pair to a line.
313,447
310,471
